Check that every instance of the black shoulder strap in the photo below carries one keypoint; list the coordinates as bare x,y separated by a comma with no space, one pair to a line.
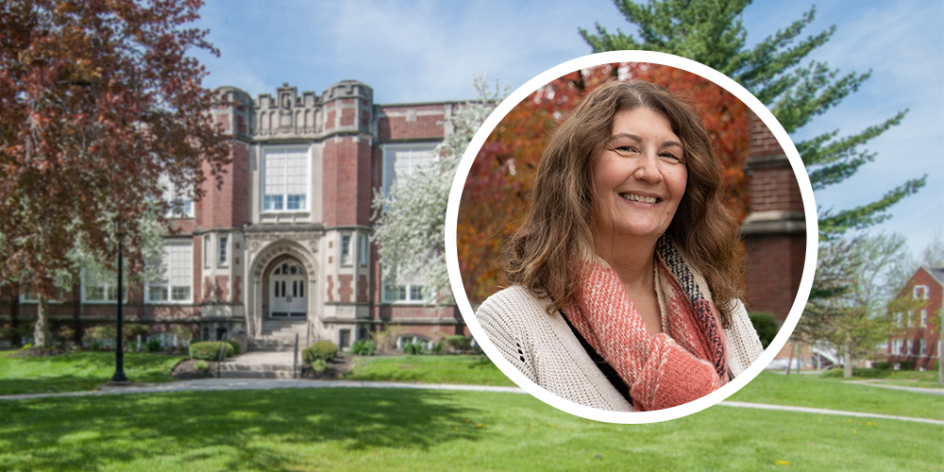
601,363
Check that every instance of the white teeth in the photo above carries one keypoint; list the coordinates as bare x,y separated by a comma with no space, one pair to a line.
638,198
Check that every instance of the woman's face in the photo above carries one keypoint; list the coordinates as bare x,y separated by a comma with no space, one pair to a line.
639,179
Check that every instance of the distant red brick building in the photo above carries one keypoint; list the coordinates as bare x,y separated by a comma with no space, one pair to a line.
917,331
282,246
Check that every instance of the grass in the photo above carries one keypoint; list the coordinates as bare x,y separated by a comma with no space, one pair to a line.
78,371
413,430
802,390
467,370
904,378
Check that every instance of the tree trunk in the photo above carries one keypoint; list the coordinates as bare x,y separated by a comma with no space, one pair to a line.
790,359
41,336
847,370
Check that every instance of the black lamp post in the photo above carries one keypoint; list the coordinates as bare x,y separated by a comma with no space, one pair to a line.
119,348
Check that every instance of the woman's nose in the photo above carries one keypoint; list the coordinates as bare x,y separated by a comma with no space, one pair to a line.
648,169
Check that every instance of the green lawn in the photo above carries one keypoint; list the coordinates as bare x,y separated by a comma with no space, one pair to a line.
802,390
418,430
79,371
469,370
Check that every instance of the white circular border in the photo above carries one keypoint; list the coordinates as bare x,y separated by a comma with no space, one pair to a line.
593,60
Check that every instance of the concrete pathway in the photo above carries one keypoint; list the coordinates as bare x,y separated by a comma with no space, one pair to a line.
932,391
268,384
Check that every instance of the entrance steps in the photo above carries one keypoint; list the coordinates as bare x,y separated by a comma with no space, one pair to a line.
279,335
259,365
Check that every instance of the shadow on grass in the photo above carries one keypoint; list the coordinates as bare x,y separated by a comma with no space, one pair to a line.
244,429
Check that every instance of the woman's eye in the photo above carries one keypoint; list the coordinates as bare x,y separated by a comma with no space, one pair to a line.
671,156
625,149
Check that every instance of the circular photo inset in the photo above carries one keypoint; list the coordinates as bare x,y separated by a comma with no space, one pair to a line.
623,233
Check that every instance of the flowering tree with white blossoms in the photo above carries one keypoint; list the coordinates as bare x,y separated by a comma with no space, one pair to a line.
411,217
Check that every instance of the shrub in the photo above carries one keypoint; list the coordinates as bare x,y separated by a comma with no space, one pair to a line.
153,345
881,365
25,329
236,348
209,350
861,372
201,365
906,365
766,326
133,330
65,333
96,345
324,350
438,348
9,332
99,333
415,349
386,340
319,365
459,343
364,347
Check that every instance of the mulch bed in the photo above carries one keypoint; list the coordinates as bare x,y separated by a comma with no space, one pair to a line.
336,368
185,370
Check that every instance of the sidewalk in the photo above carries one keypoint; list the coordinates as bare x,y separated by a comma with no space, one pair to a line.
268,384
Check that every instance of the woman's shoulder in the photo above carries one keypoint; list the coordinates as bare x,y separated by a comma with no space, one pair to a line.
515,299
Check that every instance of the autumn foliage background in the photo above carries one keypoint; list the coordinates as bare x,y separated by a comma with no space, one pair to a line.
496,191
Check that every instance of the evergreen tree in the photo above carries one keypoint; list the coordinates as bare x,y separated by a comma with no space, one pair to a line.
711,32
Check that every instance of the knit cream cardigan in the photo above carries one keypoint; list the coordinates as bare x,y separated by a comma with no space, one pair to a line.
543,347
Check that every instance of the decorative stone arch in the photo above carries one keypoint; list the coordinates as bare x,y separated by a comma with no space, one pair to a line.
276,252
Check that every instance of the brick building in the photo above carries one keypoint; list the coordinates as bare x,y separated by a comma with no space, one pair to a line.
914,341
282,247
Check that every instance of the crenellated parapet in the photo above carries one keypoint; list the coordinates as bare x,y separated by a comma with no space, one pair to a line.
344,107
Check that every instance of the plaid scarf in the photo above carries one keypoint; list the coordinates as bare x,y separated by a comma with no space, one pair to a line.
684,362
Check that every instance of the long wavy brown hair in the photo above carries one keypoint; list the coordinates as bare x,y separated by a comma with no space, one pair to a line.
558,222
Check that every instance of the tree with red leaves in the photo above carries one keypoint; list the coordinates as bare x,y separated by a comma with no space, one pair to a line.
100,107
495,193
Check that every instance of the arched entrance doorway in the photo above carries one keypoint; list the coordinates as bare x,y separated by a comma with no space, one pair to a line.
288,296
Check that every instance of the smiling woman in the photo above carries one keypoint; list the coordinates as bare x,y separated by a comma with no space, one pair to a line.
626,272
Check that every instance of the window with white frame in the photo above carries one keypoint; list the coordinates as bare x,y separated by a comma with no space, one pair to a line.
206,250
404,160
181,205
362,250
897,346
909,347
99,289
924,318
908,319
173,279
346,249
923,347
285,179
897,319
404,293
221,249
400,161
921,292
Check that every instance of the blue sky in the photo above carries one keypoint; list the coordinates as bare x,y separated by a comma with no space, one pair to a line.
430,51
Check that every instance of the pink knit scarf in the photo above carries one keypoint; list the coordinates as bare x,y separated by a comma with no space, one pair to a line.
684,362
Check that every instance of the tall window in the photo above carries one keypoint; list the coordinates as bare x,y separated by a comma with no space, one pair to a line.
345,249
923,347
181,206
174,277
924,318
285,180
206,250
401,161
896,347
362,250
223,240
